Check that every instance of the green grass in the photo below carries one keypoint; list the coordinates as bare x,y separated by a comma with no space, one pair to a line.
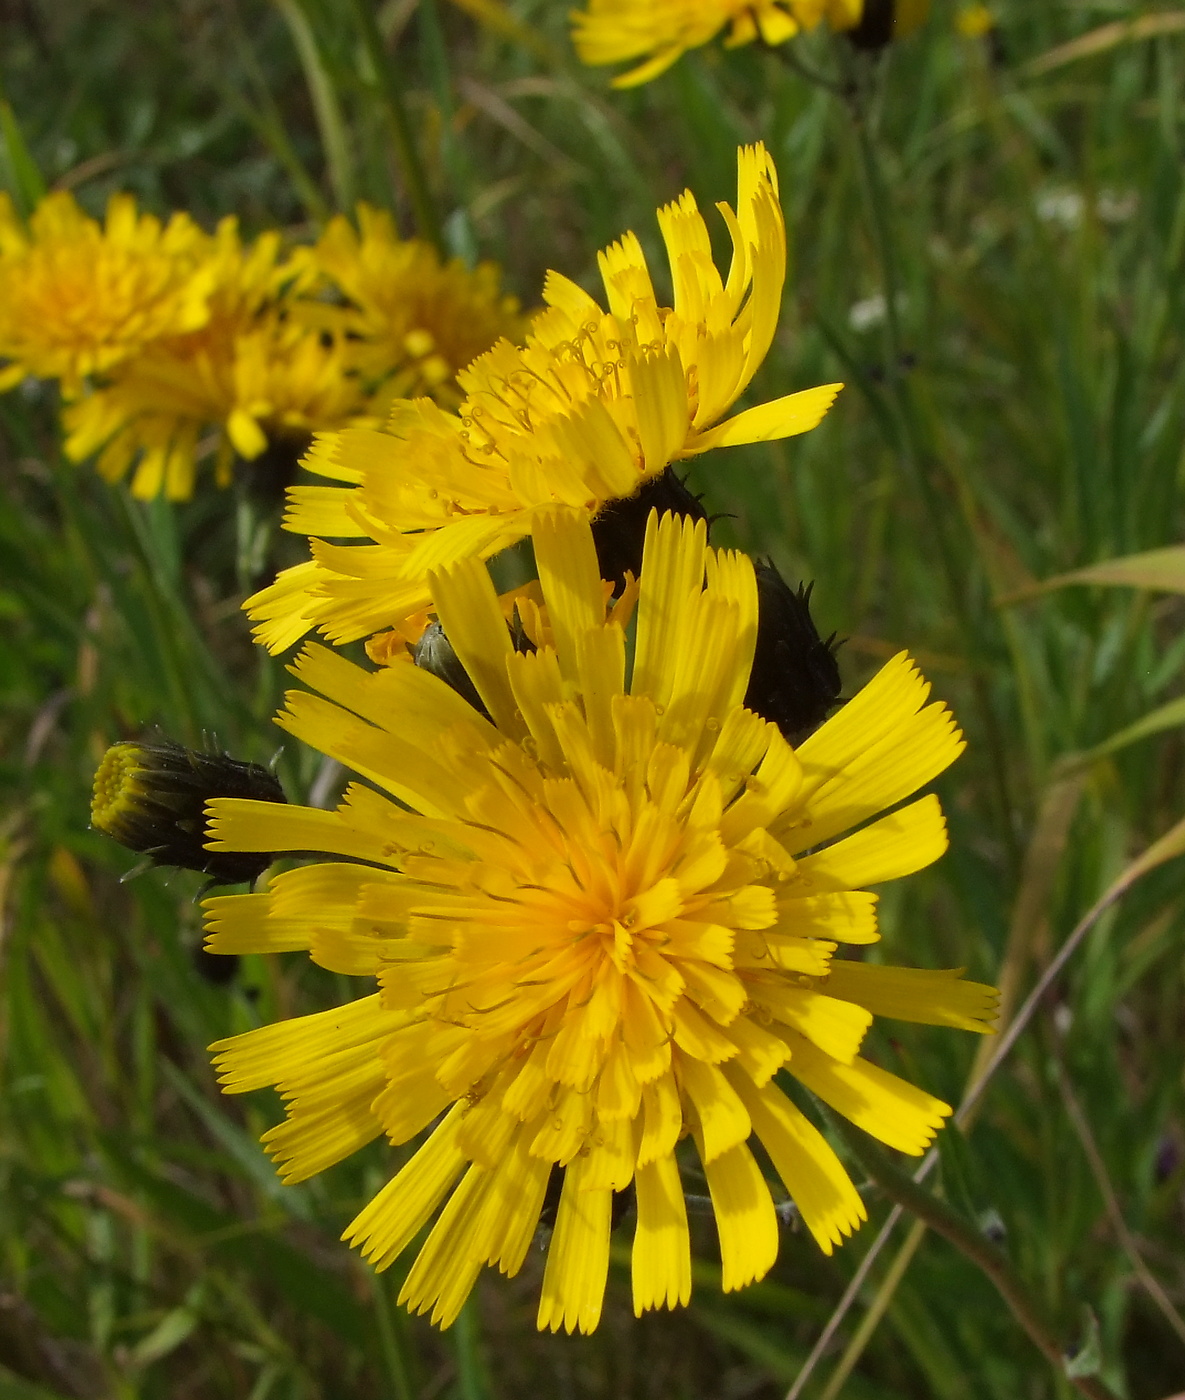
1035,224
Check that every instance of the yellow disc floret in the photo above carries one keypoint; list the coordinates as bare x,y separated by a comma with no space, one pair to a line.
118,790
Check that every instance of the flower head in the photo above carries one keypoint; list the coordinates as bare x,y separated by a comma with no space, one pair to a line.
151,798
413,320
661,31
77,298
594,406
601,922
255,372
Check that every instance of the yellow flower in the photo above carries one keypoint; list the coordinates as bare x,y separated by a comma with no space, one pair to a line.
974,21
254,372
597,404
77,298
661,31
601,922
413,320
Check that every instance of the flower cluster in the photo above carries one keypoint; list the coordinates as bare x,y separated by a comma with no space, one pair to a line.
660,31
606,847
171,344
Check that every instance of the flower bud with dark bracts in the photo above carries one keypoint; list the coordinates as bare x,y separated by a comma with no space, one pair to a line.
151,798
795,679
619,531
434,653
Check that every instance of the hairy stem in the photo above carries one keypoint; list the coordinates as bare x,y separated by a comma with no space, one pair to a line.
991,1261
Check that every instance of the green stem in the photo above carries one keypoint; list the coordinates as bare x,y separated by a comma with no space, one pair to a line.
466,1334
330,123
392,1342
991,1262
423,208
459,227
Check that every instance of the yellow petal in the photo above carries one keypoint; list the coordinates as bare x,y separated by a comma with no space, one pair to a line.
810,1170
897,845
578,1257
513,1205
847,917
745,1218
444,1273
243,923
836,1027
723,1120
783,418
243,825
248,437
930,997
662,1120
897,1112
672,574
389,1223
324,511
331,1123
469,611
271,1054
571,580
880,747
660,1261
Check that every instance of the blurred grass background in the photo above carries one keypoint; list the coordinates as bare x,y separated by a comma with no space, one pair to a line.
1024,418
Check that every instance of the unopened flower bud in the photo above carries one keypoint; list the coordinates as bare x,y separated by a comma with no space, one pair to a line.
434,653
619,530
152,798
795,679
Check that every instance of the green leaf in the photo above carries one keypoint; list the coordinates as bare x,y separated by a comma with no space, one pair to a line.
1087,1359
1159,569
225,1239
1167,716
23,179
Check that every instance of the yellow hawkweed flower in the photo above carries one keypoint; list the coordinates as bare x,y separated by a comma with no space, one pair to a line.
974,21
597,404
77,298
601,922
412,320
661,31
255,372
